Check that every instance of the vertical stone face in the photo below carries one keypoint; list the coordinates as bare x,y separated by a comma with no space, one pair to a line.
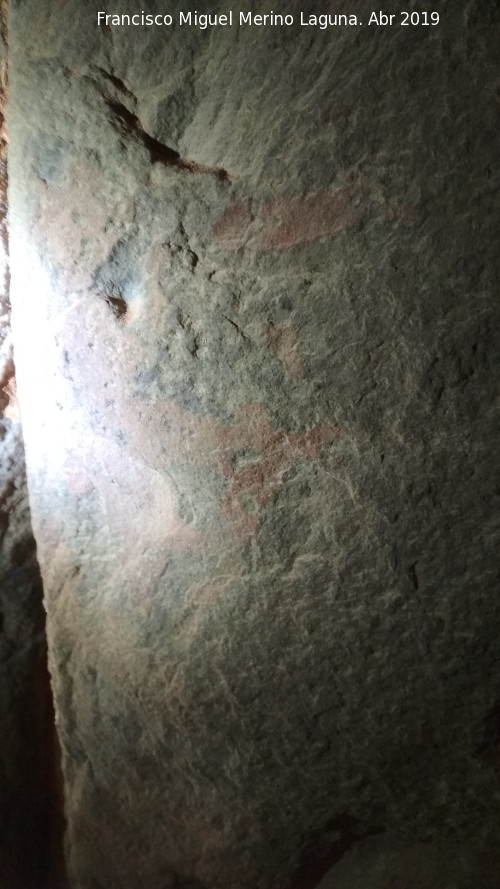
255,287
27,792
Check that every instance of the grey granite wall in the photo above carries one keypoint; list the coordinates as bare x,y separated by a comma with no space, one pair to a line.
255,286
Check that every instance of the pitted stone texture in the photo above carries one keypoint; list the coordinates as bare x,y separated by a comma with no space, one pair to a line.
256,273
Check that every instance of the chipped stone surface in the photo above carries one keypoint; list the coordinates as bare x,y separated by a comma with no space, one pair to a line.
256,303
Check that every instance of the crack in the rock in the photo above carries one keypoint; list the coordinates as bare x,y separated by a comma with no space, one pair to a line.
129,123
238,329
116,81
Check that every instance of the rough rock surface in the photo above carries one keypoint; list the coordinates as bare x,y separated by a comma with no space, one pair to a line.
393,862
28,793
256,305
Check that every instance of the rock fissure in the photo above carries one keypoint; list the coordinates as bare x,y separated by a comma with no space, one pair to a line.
129,124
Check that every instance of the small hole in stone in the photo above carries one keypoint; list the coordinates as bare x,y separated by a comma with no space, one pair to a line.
118,305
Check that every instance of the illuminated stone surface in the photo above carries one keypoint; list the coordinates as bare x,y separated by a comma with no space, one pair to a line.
27,775
256,307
